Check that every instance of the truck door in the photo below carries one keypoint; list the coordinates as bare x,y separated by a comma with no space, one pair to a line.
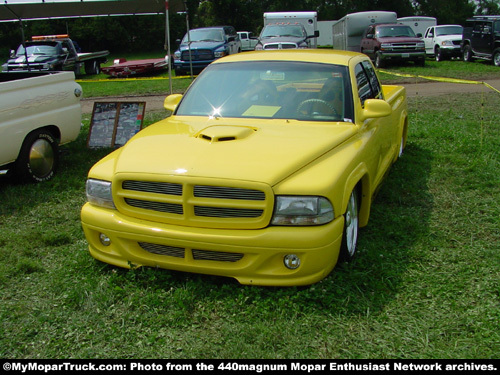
367,44
69,58
485,46
429,41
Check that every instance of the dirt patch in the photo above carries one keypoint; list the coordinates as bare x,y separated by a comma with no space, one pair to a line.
154,103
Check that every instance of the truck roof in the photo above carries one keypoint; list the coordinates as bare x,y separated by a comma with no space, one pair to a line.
325,56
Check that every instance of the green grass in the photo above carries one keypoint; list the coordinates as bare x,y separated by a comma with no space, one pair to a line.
424,285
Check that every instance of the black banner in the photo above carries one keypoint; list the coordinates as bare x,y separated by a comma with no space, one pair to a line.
249,366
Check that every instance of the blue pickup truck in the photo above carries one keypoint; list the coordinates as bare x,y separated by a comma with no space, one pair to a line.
202,46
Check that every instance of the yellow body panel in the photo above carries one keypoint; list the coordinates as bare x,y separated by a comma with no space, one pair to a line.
197,193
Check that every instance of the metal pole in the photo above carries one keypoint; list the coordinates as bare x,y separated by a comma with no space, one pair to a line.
167,45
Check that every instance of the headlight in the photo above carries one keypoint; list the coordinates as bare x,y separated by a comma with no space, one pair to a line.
99,193
447,43
386,46
420,45
218,54
177,55
302,211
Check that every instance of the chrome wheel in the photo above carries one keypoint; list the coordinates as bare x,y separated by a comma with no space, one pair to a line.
41,158
351,228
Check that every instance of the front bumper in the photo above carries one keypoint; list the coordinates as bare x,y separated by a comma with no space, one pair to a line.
250,256
411,56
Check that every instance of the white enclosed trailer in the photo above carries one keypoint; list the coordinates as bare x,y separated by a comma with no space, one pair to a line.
418,24
348,31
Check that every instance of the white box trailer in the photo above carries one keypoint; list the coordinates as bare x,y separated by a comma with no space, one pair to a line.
308,19
418,24
325,33
348,31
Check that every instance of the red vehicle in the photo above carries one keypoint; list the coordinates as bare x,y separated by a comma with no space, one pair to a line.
124,68
392,42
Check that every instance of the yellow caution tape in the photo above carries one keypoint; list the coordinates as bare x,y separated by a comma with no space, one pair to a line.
441,79
128,79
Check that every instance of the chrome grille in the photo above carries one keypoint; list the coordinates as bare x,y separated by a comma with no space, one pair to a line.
198,55
192,202
153,187
179,252
172,251
223,212
216,256
228,193
170,208
280,46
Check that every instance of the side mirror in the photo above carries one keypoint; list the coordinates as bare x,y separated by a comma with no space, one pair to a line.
419,35
172,101
375,108
12,53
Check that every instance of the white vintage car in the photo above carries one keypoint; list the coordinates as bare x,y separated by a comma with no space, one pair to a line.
38,112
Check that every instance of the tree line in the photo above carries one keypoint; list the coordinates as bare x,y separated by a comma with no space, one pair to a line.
140,33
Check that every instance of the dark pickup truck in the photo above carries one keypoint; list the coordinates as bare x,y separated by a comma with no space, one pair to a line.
53,53
392,42
481,39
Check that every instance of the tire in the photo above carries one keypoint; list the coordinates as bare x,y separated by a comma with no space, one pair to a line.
92,67
496,57
38,158
438,54
351,229
467,53
379,61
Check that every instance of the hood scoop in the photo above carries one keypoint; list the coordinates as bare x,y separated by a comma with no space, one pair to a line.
225,133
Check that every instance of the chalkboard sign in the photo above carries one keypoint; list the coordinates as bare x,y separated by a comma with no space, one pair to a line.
114,123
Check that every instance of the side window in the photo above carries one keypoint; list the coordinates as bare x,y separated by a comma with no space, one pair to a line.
364,90
373,80
367,81
430,33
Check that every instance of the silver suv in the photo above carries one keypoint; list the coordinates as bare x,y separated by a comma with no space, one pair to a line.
284,36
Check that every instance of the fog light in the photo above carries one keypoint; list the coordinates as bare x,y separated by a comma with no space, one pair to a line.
105,240
291,261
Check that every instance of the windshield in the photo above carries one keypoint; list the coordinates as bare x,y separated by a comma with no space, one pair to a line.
395,31
283,30
264,89
39,49
204,35
449,30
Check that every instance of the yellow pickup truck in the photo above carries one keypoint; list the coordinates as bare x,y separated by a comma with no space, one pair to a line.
264,172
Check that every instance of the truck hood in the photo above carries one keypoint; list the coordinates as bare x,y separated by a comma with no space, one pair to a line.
202,45
282,39
35,59
399,39
266,151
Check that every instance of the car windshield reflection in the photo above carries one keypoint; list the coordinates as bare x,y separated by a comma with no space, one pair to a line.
273,90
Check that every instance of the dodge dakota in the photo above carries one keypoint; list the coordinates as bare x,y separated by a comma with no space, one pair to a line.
264,172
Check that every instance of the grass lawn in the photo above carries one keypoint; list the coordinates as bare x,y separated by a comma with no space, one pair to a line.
425,283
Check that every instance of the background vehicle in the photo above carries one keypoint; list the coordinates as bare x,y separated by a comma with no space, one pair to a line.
201,46
481,39
309,20
248,41
419,24
284,36
348,31
443,41
223,186
39,111
53,53
392,42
